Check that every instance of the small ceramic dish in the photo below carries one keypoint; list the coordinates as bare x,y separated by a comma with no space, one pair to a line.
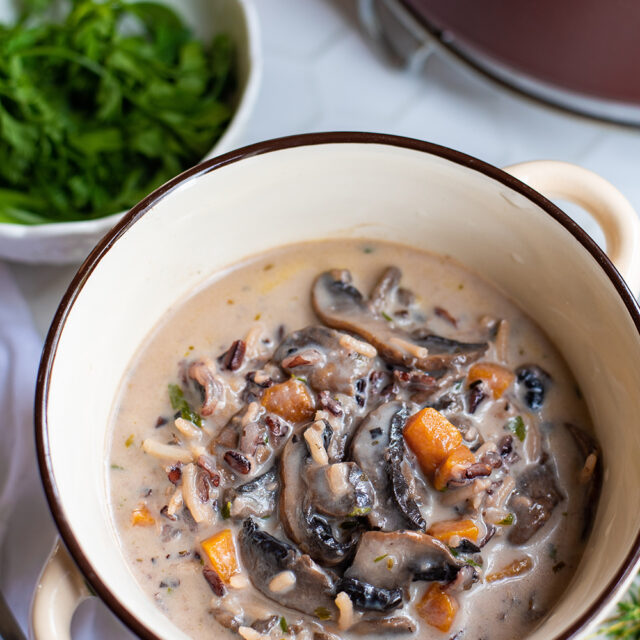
70,242
334,186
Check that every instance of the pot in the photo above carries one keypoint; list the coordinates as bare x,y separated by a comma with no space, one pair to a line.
341,185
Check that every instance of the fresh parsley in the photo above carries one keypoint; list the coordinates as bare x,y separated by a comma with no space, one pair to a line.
101,107
179,403
516,425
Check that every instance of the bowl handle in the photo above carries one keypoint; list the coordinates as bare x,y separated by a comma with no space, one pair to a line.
609,208
61,588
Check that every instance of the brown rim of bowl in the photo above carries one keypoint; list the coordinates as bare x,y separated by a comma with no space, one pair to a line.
84,272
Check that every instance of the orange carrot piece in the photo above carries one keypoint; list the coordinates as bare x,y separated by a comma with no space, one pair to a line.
431,437
141,517
458,460
290,400
447,529
221,551
497,377
437,608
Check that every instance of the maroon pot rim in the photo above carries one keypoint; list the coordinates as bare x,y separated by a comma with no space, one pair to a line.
312,139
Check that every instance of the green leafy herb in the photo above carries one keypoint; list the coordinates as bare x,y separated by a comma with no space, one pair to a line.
322,613
178,403
101,107
516,425
387,317
626,622
225,510
117,466
473,563
507,520
379,558
283,625
454,552
458,385
360,511
553,552
367,249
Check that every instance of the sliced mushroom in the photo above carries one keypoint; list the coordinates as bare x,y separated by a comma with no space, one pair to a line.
536,497
341,306
317,354
369,597
392,560
394,625
255,498
317,535
396,498
267,556
339,490
202,374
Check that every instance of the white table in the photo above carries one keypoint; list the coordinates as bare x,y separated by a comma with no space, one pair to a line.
321,74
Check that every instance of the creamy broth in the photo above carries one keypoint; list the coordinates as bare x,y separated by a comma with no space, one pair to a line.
267,298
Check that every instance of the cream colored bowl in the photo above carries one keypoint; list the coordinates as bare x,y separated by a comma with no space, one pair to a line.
71,242
340,185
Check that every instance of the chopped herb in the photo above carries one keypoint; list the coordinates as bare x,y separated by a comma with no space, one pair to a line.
368,249
387,317
457,386
104,105
626,622
169,589
303,380
178,403
129,441
257,317
553,552
454,552
322,613
516,425
283,625
381,557
507,520
117,466
225,510
360,511
473,563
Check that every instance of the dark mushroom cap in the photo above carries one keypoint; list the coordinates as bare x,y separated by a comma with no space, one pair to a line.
267,557
341,306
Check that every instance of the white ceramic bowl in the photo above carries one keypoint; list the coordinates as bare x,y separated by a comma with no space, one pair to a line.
71,242
340,185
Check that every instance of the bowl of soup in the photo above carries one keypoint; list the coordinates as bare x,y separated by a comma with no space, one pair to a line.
347,385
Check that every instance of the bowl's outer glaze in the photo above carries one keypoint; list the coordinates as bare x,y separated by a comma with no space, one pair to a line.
71,242
336,185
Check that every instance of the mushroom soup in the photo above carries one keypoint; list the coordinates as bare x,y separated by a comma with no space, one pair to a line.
349,438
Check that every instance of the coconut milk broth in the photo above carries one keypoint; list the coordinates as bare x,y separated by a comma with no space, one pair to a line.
273,289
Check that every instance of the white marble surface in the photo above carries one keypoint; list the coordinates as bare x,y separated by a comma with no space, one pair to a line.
321,74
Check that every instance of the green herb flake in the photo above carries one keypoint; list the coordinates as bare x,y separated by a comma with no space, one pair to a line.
129,441
368,249
299,379
387,317
381,557
507,520
283,625
360,511
117,466
322,613
179,403
458,386
454,552
553,552
516,425
225,510
473,563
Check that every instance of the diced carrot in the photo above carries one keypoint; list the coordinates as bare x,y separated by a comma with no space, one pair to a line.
437,608
497,377
290,400
221,551
516,568
458,460
431,437
447,529
141,517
